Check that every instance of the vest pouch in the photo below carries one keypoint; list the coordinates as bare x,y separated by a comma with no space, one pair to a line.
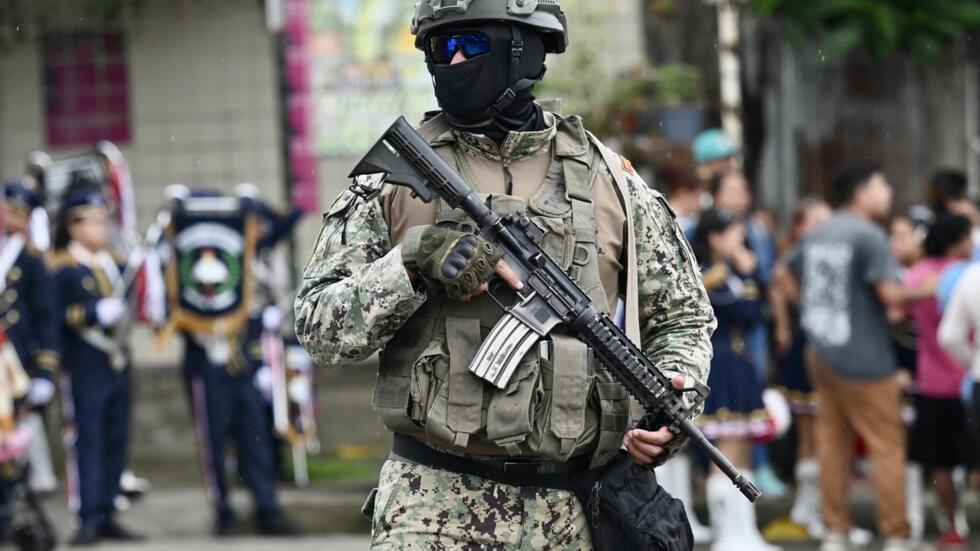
392,392
614,406
510,414
563,421
456,411
570,388
429,374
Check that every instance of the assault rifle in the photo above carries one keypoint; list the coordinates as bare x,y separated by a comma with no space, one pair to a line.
549,296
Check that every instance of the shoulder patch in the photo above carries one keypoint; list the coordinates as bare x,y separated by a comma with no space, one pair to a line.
59,259
627,165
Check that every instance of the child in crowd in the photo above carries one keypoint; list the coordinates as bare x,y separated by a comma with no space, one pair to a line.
734,415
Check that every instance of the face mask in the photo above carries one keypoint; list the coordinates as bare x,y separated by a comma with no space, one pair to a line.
467,91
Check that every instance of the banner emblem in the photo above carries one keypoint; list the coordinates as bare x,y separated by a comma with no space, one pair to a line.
210,273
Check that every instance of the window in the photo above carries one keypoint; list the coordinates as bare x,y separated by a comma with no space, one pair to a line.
85,89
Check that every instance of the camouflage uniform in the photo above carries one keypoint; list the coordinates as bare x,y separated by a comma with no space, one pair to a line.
418,508
356,298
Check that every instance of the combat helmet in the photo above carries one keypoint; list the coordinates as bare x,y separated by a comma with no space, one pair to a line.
545,16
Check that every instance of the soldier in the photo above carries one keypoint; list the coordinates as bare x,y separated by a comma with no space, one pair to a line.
96,385
473,466
219,372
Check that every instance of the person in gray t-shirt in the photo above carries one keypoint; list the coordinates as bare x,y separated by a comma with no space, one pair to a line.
847,280
840,265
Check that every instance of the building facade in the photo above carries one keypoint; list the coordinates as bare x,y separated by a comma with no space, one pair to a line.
194,99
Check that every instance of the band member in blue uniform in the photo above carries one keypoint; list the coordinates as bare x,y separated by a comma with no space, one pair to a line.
96,383
28,320
219,370
27,306
734,413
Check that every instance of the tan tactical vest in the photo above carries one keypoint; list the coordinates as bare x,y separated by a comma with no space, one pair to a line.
560,403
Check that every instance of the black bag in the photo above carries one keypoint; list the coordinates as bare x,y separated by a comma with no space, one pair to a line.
626,509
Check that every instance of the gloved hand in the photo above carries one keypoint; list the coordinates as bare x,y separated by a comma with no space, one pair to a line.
461,262
40,393
109,310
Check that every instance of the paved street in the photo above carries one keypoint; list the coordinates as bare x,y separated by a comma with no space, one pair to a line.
177,520
320,543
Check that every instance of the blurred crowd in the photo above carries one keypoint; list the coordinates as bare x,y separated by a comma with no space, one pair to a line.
844,350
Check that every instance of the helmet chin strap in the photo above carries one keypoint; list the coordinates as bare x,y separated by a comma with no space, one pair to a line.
495,111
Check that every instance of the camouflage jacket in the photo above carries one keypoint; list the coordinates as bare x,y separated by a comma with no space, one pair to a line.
356,294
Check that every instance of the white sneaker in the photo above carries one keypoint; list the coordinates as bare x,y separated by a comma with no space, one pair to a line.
914,501
806,501
733,519
835,541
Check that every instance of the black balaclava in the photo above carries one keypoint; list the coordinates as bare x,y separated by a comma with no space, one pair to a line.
487,94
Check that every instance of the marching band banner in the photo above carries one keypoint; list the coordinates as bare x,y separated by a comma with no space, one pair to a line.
209,273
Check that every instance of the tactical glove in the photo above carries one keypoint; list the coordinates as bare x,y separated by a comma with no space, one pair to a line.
461,262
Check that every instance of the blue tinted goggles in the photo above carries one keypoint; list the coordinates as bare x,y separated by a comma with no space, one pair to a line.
443,47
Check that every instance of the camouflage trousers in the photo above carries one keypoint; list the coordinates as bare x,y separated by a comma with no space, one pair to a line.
420,508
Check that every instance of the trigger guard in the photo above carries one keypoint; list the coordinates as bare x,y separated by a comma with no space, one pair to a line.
497,286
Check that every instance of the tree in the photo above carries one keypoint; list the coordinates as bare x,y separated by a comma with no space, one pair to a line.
921,29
